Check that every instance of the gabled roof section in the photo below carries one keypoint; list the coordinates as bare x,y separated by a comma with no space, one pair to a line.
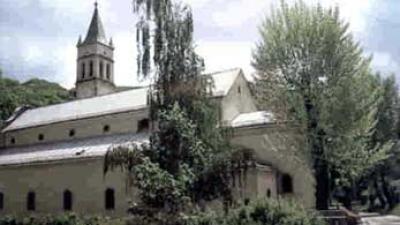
96,32
80,109
123,101
223,81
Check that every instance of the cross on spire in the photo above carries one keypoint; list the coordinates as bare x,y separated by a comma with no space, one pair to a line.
95,4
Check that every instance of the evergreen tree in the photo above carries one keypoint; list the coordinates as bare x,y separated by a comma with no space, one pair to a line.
312,71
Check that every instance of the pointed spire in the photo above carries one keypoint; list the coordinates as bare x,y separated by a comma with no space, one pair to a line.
96,31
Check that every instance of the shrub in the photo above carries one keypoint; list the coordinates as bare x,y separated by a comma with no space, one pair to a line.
65,219
259,212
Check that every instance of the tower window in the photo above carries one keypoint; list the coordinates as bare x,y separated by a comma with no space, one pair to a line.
40,137
287,183
83,70
30,203
143,125
1,201
108,70
109,199
91,68
71,132
106,128
67,200
101,69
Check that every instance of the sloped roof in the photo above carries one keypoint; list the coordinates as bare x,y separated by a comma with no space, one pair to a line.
107,104
224,80
82,108
73,149
252,118
96,32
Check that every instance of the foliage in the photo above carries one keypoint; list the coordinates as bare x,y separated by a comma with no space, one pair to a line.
312,71
64,219
188,159
262,211
34,92
379,178
176,169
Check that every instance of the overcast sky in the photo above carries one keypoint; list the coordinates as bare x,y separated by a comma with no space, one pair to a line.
38,37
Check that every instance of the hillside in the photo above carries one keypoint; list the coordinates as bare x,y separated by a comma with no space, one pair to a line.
35,93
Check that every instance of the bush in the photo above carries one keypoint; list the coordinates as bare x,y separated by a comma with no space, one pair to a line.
66,219
259,212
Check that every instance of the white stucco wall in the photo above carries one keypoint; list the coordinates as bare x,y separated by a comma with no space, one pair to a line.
281,148
238,100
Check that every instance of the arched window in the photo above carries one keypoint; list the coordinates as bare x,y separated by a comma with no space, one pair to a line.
83,68
143,125
287,183
101,69
67,200
91,68
30,201
1,201
109,199
268,193
72,132
108,71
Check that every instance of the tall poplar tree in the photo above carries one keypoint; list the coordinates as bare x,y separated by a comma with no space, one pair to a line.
311,70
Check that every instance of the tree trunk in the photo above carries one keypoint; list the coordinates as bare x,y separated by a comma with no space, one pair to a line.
322,185
321,171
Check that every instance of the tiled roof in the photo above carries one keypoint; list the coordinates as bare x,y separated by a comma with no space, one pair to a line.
107,104
96,32
73,149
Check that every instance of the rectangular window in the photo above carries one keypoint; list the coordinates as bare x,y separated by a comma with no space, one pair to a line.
1,201
30,203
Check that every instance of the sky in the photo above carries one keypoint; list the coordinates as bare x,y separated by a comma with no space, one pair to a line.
38,37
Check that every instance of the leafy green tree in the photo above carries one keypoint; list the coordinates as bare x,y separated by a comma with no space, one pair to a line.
312,71
379,177
188,160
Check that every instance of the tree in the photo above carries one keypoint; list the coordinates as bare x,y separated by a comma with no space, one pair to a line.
188,159
312,71
379,177
33,92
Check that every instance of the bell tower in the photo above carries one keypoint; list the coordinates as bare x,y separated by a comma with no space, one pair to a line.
95,64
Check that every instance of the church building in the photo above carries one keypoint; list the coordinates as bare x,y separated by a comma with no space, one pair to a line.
51,158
